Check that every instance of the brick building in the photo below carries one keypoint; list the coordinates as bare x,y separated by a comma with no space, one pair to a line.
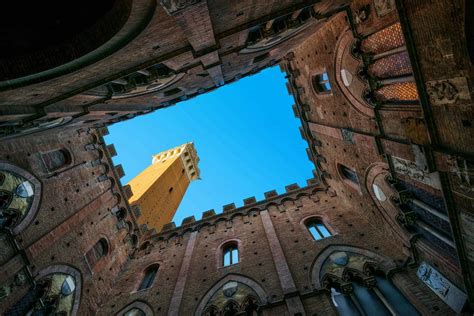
384,92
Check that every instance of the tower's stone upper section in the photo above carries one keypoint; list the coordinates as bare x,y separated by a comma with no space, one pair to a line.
188,154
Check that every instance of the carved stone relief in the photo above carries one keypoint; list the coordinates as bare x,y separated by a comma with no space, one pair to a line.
448,91
442,287
461,175
383,7
411,169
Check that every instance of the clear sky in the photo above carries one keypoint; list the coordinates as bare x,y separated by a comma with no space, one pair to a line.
245,134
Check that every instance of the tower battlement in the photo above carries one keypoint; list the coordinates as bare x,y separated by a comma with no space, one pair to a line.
159,189
188,154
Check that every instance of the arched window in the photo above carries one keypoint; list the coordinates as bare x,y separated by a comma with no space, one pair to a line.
382,298
100,250
317,229
230,254
321,83
348,174
54,160
17,194
53,294
357,286
148,277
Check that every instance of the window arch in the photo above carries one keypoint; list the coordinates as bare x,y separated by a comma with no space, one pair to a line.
348,174
56,159
100,250
57,291
317,229
356,279
148,277
230,254
247,293
19,197
321,83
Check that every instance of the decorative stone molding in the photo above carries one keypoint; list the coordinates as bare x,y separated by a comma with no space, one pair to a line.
384,263
76,274
412,170
448,91
31,213
384,7
260,291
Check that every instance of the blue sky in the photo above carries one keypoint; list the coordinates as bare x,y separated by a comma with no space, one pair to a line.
246,136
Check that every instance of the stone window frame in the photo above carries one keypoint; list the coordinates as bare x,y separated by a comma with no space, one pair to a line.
69,270
316,80
354,186
98,264
28,219
231,250
318,218
141,305
67,153
258,289
220,252
138,284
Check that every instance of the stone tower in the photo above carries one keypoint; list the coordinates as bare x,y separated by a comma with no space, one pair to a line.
159,189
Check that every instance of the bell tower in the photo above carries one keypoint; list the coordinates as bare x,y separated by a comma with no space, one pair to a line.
159,189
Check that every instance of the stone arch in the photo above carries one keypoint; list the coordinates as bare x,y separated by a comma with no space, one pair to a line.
346,73
234,215
385,264
141,305
36,197
271,204
301,194
375,179
220,219
73,272
202,225
187,230
286,199
259,290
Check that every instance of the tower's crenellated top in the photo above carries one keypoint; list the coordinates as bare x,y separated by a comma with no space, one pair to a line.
188,154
